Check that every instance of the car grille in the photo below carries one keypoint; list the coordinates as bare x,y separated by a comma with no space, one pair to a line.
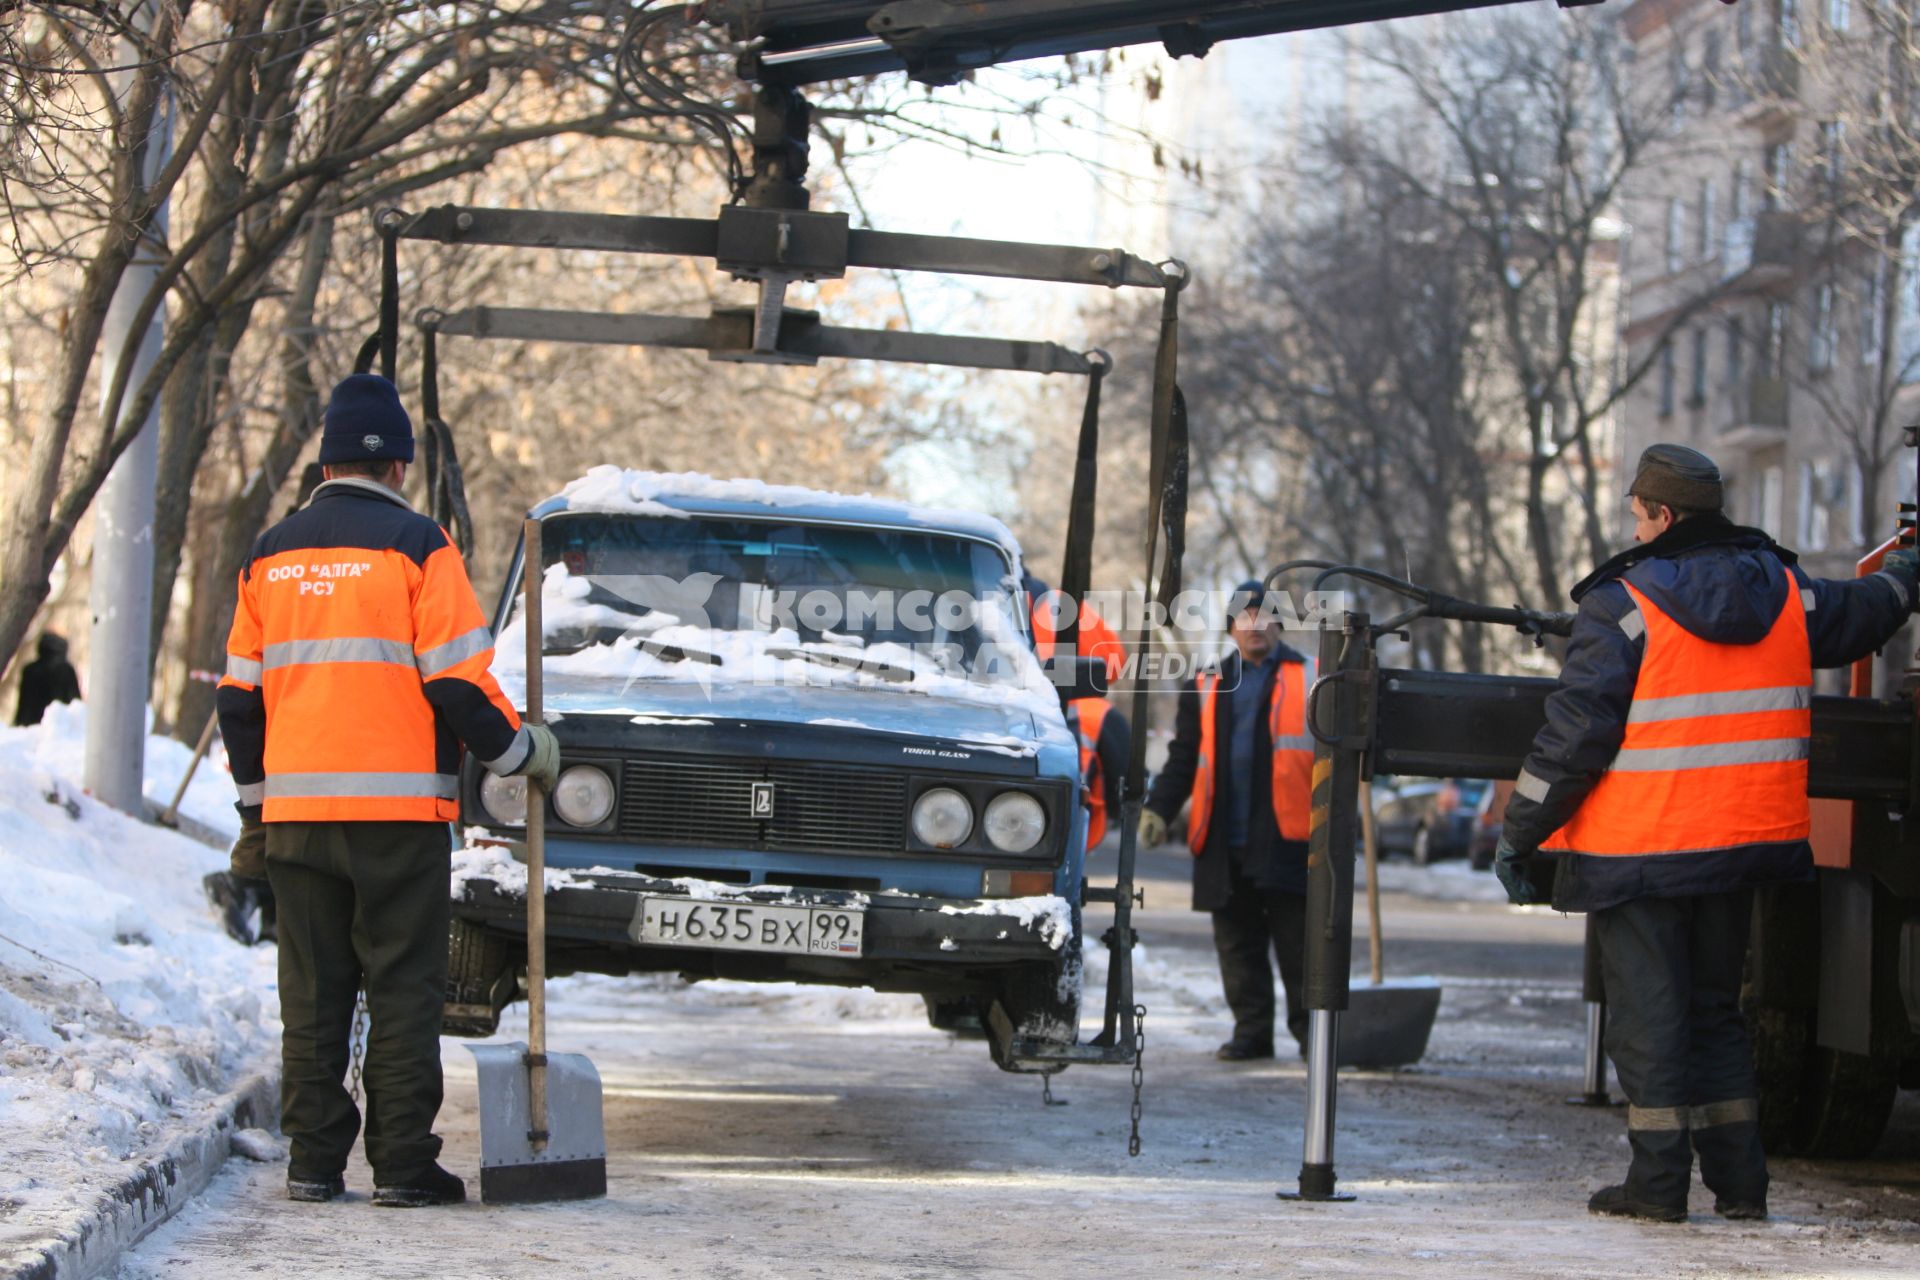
709,803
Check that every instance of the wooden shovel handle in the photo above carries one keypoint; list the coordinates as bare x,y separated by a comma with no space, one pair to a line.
530,578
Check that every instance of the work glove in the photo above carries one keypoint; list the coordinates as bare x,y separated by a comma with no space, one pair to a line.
543,757
1153,828
1905,561
248,858
1507,862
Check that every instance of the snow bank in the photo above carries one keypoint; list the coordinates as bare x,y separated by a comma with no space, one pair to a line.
125,1010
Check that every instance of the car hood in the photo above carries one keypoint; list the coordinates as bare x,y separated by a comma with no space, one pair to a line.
1009,728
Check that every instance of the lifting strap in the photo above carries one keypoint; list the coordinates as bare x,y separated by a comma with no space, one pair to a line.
1076,573
385,340
446,488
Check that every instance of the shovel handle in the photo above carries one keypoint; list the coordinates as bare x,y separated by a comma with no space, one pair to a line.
1376,948
530,578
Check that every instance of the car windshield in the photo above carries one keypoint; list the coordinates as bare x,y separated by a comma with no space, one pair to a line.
632,598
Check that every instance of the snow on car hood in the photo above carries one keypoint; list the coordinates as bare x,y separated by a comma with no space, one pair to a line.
1004,728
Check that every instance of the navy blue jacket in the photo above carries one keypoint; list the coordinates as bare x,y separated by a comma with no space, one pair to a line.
1725,584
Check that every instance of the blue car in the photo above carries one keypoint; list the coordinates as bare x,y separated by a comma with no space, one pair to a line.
804,738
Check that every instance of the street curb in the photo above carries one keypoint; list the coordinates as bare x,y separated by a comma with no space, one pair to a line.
158,1188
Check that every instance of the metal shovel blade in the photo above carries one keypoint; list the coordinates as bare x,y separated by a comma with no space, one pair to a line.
573,1163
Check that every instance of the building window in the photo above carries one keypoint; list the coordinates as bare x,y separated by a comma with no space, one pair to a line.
1736,350
1833,136
1742,191
1676,234
1709,218
1839,12
1873,302
1743,29
1770,498
1677,73
1789,23
1779,168
1666,380
1773,350
1823,495
1820,342
1697,392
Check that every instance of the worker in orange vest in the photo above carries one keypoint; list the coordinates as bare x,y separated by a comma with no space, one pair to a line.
1242,762
1106,740
1669,781
357,665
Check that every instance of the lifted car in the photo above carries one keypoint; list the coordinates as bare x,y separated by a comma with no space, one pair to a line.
804,738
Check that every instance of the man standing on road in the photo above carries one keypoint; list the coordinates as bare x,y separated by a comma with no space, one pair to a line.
357,664
1669,781
1242,756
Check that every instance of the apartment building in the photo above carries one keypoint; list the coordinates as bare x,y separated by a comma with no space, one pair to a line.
1780,327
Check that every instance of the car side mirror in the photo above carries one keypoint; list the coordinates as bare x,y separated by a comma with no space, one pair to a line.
1077,677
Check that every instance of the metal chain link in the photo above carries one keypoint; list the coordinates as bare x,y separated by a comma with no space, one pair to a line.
359,1042
1139,1073
1046,1091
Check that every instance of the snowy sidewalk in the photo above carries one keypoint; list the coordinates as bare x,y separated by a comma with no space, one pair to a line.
134,1034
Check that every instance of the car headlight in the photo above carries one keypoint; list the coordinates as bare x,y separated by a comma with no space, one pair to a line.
942,818
583,796
1015,821
504,799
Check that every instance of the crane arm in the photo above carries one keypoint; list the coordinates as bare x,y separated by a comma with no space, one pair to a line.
938,41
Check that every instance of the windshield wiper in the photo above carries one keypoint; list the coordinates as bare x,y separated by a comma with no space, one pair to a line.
848,662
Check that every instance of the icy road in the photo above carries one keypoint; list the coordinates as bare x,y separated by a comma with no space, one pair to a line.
775,1132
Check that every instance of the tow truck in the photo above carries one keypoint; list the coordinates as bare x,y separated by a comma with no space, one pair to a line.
1834,995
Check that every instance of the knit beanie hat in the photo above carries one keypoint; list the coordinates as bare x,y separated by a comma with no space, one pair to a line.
365,422
1676,476
1246,597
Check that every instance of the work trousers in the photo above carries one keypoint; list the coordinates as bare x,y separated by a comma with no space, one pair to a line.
1680,1046
361,904
1257,924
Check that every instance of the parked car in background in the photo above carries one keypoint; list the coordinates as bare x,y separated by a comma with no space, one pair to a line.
1427,818
1488,823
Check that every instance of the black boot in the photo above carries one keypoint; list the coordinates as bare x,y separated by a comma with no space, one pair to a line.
1616,1201
315,1190
434,1186
236,902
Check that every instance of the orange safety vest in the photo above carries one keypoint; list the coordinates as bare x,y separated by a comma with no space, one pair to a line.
1090,714
1292,755
348,616
1715,752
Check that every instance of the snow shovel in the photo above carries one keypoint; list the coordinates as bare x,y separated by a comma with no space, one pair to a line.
1386,1023
541,1134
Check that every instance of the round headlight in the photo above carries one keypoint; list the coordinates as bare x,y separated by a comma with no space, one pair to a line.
505,799
1015,821
583,796
942,818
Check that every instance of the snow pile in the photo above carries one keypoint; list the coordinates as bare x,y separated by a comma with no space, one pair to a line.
125,1010
1454,881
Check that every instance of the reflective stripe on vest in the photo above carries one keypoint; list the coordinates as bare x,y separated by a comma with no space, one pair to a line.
1715,750
1292,782
1090,715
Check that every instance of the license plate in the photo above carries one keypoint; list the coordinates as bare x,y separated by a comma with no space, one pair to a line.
731,926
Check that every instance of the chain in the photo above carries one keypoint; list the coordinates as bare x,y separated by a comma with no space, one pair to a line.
359,1051
1139,1073
1046,1091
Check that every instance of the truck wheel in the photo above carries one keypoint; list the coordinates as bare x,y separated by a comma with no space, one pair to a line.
1039,1003
960,1018
1782,1044
481,980
1844,1104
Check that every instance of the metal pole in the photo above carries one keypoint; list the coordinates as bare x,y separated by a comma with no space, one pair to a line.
1336,716
1593,1089
122,590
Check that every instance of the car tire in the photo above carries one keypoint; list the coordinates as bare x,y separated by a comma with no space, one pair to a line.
961,1018
482,979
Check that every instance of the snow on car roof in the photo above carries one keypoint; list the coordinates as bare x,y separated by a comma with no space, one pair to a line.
617,489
